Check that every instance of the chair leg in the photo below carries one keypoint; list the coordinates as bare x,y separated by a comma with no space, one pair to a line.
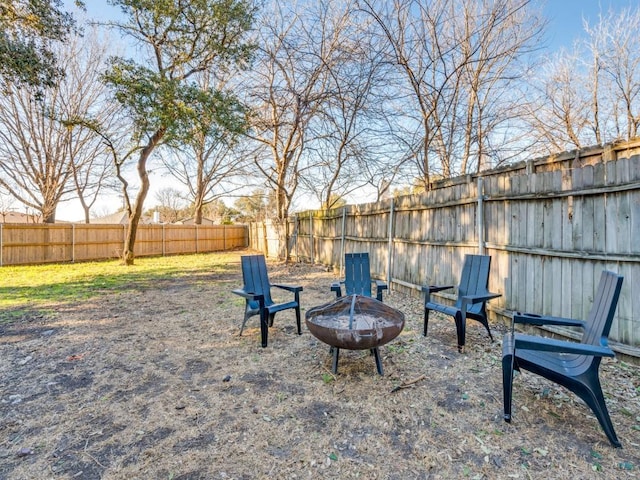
336,354
271,317
508,352
264,327
376,354
244,322
485,322
592,395
461,329
426,322
298,320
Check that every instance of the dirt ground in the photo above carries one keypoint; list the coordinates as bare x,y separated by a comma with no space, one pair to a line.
155,383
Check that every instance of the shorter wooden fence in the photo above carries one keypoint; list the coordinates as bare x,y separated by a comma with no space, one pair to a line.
22,244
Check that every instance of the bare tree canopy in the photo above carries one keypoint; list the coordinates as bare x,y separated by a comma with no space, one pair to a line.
591,94
45,151
456,61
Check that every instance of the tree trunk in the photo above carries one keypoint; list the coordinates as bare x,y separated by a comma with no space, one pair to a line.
49,215
136,212
85,209
197,217
200,192
198,205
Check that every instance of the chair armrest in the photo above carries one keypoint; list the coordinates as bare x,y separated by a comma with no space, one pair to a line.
435,288
380,285
480,298
533,319
249,295
531,342
471,299
288,288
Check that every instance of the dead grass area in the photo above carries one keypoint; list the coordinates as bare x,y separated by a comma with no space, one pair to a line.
155,383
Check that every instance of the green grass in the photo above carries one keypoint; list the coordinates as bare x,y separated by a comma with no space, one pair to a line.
35,286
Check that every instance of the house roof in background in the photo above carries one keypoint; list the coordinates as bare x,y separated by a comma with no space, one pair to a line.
17,217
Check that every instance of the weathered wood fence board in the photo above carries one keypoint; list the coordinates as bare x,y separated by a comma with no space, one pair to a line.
41,243
550,225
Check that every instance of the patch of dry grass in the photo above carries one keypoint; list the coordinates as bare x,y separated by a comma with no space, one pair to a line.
155,382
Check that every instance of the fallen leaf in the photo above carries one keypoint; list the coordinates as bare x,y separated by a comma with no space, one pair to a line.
75,357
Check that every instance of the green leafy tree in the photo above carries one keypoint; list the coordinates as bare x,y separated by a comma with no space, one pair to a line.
257,206
27,30
177,40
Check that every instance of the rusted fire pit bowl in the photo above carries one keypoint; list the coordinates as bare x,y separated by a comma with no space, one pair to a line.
373,324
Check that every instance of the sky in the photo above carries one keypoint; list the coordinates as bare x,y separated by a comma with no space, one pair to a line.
565,27
566,18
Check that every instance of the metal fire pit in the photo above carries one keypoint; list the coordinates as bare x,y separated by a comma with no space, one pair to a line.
355,322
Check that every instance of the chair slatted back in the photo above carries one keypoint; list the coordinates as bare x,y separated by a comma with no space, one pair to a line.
255,277
600,317
474,279
357,278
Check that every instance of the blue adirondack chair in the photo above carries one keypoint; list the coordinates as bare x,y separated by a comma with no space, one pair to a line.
570,364
473,295
357,279
257,293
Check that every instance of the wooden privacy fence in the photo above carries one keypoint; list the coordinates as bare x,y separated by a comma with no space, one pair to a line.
45,243
550,226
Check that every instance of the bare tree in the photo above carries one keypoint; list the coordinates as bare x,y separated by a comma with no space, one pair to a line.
45,154
290,83
493,37
592,94
171,204
351,130
91,167
7,205
457,59
559,115
34,156
615,47
205,166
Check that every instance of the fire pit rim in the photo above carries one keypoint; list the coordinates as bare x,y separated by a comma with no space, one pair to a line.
354,338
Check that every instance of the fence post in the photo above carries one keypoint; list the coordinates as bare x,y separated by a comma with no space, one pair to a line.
344,221
480,216
313,253
1,244
390,247
73,243
264,238
163,242
296,237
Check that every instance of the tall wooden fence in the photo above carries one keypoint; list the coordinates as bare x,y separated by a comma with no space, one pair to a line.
550,225
44,243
